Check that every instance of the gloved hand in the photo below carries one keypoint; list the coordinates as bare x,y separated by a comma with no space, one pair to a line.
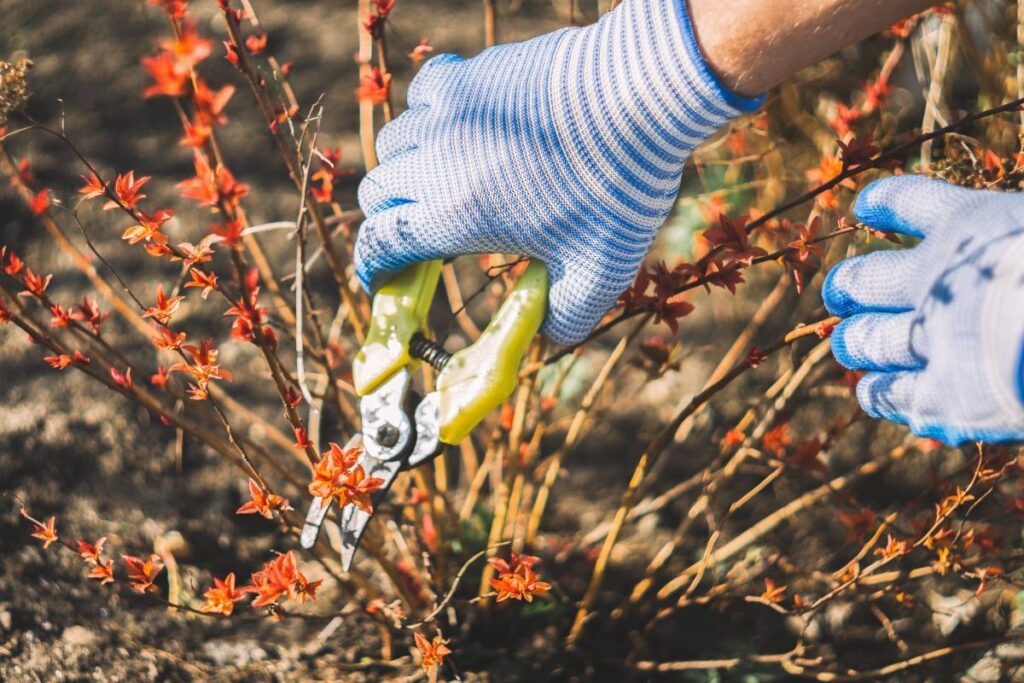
941,326
567,148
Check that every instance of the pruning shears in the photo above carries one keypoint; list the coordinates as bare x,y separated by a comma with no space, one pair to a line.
400,428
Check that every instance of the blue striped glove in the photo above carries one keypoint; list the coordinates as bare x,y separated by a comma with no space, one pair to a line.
941,326
567,148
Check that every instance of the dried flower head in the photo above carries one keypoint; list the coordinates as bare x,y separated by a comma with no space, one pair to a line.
14,92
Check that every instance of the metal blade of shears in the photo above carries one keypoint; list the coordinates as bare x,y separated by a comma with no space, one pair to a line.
427,445
354,521
385,442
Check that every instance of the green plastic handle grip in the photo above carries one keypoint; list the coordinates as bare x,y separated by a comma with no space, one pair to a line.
479,377
399,311
476,379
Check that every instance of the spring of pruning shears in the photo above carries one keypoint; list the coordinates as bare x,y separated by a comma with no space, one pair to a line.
400,428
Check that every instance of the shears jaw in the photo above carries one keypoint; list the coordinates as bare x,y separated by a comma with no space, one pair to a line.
428,439
355,521
390,442
472,382
319,508
314,520
387,429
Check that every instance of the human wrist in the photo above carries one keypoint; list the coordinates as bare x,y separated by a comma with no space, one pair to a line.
723,90
753,46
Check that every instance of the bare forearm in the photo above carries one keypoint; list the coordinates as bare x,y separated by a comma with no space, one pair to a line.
754,45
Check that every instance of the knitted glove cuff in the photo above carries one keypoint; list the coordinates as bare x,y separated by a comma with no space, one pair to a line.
632,96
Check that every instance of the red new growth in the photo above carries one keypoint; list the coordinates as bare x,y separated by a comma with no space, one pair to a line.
14,264
142,574
148,229
188,48
40,203
338,475
302,438
196,135
102,571
375,25
61,317
432,653
126,187
292,397
93,186
231,232
828,170
170,76
663,302
876,95
165,306
262,503
203,187
222,597
893,548
204,367
247,312
231,54
160,378
777,439
59,362
47,533
667,309
201,279
123,380
773,592
209,187
256,44
196,253
175,9
844,120
65,359
35,284
210,104
167,339
279,580
731,236
89,552
755,357
857,524
420,52
516,578
374,87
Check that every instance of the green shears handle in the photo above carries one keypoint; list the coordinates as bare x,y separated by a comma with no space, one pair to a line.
476,379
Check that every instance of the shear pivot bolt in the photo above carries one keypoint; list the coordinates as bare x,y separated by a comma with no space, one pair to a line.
387,435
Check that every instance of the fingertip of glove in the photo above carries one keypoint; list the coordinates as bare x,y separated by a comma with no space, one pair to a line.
837,300
840,351
864,209
441,60
873,205
874,395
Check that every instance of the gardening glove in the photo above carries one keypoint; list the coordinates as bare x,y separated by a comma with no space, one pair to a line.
567,148
940,326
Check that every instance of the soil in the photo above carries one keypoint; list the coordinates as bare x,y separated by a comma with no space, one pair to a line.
101,466
105,468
